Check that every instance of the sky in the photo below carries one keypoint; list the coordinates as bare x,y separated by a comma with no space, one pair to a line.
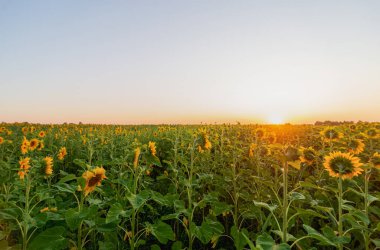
134,62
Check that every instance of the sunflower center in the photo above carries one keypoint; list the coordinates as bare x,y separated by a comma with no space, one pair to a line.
95,180
342,165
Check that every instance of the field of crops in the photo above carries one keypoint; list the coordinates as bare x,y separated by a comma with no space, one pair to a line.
189,187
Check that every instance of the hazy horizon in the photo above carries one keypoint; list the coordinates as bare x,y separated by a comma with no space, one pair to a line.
187,62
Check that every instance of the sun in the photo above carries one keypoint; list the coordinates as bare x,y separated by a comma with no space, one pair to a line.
275,119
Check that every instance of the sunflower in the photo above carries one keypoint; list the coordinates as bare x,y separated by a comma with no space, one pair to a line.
49,165
375,160
24,146
1,140
343,165
259,133
93,178
136,157
42,134
308,155
41,145
355,146
24,167
331,134
271,137
33,144
205,144
25,130
251,150
291,153
62,153
152,148
371,133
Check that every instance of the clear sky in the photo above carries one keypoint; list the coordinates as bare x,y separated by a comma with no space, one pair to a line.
189,61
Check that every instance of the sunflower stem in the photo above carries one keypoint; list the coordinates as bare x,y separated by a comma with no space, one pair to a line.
285,203
340,201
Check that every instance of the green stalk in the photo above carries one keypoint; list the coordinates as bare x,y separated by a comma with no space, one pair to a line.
285,203
340,201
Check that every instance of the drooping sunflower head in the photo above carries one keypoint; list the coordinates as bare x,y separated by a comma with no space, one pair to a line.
375,160
343,165
308,155
93,178
355,146
331,134
33,144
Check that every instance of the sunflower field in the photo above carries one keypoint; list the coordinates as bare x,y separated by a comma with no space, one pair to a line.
189,187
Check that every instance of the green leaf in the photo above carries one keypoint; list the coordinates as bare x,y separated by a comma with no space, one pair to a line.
50,239
67,178
265,205
266,242
114,212
316,235
208,229
162,231
177,245
296,196
138,200
238,237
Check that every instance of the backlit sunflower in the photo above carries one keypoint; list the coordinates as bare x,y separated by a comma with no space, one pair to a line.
331,134
62,153
152,148
355,146
308,155
343,165
259,133
375,160
93,178
33,144
49,165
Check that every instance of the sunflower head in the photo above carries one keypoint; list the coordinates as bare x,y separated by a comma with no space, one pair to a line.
93,178
251,150
48,165
331,134
1,140
355,146
343,165
371,133
375,160
152,148
308,155
33,144
42,134
271,137
291,153
259,133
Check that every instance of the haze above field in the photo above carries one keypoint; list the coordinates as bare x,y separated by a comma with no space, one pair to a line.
189,61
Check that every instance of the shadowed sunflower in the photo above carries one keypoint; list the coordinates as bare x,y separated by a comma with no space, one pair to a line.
343,165
259,133
331,134
371,133
375,160
308,155
93,178
355,146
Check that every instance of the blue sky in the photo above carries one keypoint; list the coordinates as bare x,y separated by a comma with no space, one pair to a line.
189,61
